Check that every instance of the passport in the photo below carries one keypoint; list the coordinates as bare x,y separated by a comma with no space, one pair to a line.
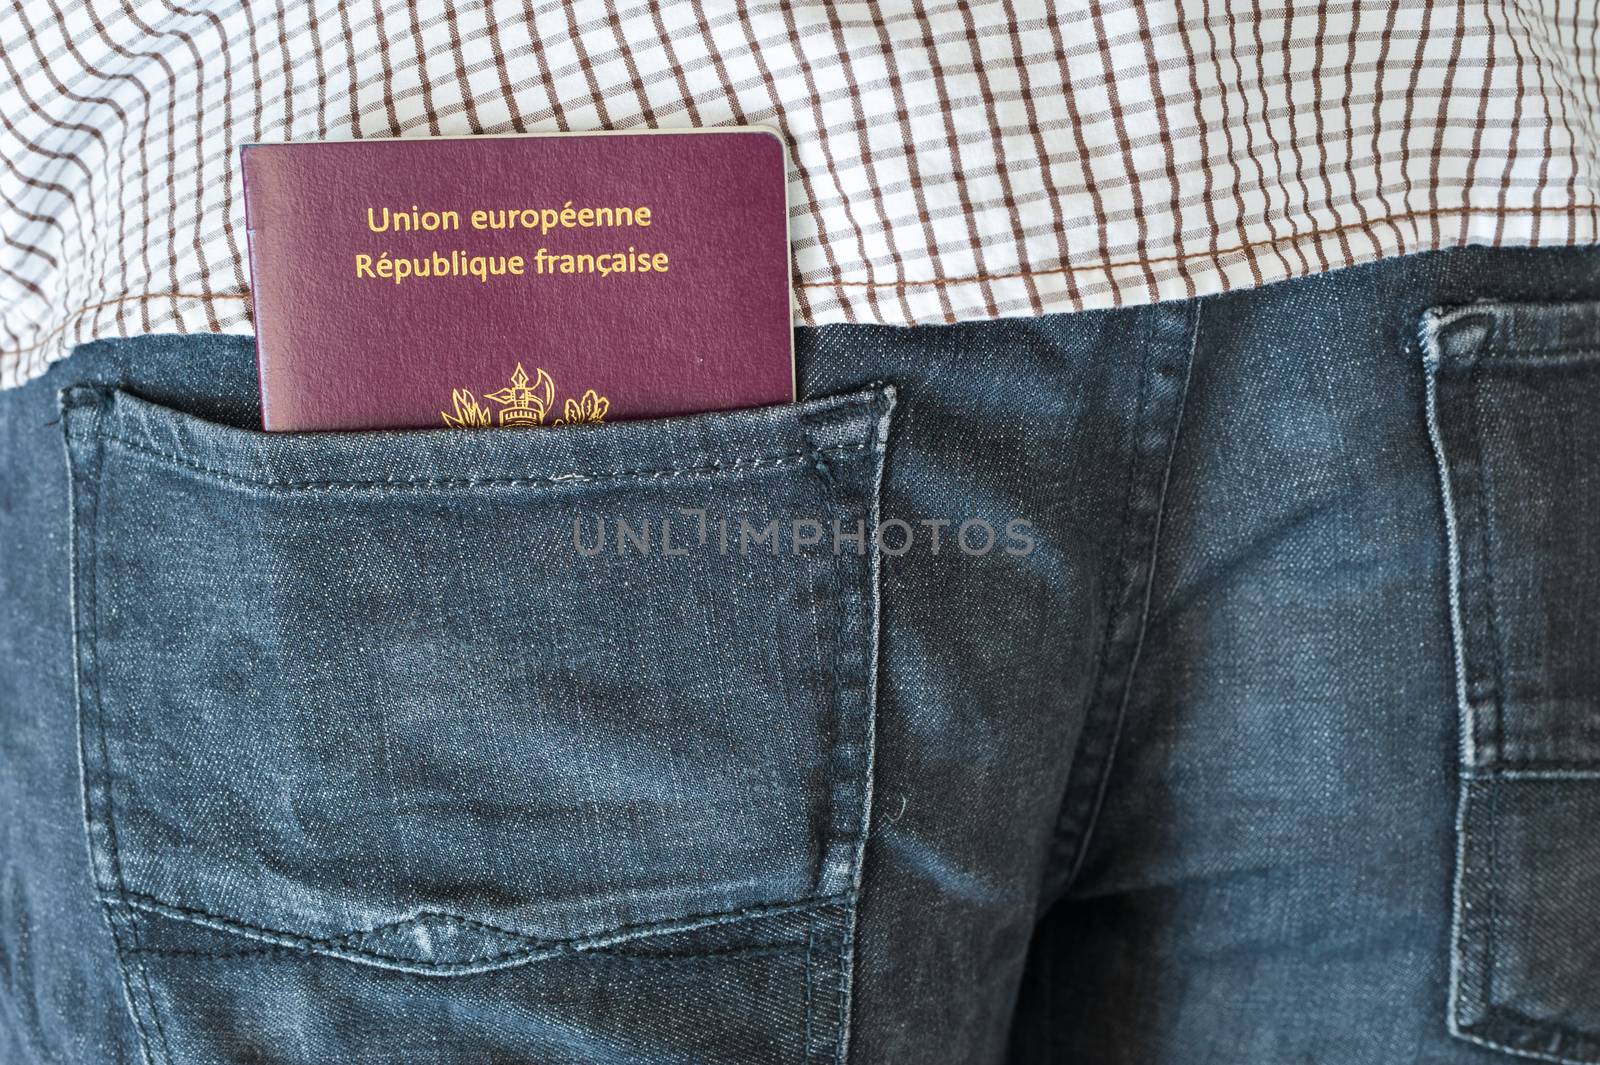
524,280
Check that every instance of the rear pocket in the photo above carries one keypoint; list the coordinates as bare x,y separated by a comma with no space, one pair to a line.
1514,411
452,703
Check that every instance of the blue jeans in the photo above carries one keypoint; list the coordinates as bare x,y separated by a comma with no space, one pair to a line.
1210,682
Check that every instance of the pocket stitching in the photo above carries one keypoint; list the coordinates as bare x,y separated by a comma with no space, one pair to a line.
245,456
536,949
758,951
113,858
1492,1025
786,458
118,900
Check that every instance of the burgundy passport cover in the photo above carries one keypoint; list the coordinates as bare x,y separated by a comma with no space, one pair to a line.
508,281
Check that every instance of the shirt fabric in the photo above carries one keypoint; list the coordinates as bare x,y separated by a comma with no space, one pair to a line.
950,161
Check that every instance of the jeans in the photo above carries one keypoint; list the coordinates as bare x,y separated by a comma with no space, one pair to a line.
1207,682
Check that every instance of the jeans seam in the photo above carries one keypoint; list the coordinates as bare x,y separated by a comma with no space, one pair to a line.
1508,1048
786,458
121,929
1106,709
1513,1018
1535,771
1485,489
842,978
1432,350
862,814
1496,623
1079,834
806,1000
337,946
868,600
758,950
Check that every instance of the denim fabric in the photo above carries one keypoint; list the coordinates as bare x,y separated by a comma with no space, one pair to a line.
1246,711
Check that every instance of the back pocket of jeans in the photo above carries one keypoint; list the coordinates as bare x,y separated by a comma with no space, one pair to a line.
449,703
1514,411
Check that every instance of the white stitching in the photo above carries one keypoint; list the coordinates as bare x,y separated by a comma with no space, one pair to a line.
286,485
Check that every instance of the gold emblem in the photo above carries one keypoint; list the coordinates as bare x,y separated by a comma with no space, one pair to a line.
470,414
591,408
523,402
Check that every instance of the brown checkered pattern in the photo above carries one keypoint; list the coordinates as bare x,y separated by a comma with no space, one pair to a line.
951,159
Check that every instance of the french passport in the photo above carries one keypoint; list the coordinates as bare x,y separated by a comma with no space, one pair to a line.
514,281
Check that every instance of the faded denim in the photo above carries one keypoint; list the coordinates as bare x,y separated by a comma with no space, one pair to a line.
1280,742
